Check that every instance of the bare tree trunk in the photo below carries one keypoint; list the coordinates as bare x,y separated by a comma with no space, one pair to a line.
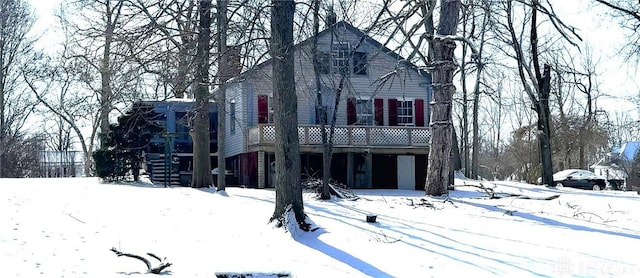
112,15
464,129
544,126
542,105
288,188
200,134
320,108
539,93
3,127
444,68
475,142
223,76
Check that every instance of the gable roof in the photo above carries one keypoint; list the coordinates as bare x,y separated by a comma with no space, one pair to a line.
359,33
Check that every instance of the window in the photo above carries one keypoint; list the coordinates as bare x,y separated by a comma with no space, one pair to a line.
325,107
340,52
364,112
321,111
183,124
265,109
342,61
271,112
405,112
324,63
232,117
360,63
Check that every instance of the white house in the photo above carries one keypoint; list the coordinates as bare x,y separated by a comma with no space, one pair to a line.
381,138
617,166
56,164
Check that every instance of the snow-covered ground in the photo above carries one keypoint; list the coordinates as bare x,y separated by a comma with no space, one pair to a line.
65,228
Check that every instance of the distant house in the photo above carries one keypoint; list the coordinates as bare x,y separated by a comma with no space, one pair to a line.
58,164
381,136
620,167
169,156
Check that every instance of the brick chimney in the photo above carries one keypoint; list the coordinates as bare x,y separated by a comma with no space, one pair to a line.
331,17
234,61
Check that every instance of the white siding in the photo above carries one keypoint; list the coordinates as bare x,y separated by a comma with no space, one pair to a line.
235,142
405,82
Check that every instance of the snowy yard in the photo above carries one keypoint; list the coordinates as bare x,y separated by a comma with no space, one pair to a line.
65,228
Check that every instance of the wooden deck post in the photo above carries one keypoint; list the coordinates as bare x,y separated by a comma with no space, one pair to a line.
261,170
350,170
368,163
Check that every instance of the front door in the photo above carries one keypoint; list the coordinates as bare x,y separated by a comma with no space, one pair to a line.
407,172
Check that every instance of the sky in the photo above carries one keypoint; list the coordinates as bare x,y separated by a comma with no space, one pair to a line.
604,35
65,227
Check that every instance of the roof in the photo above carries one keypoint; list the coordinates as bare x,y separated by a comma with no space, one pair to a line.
629,150
359,33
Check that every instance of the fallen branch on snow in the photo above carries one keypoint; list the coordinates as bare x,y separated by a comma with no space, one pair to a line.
422,203
155,270
335,188
582,213
498,195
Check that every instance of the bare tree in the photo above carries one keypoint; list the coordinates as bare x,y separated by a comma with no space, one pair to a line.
443,69
534,79
170,29
475,25
57,86
326,153
98,43
223,77
16,20
200,129
628,14
578,130
288,187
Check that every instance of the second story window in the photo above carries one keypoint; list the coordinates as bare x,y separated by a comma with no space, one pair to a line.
265,109
342,61
405,112
364,112
360,63
340,53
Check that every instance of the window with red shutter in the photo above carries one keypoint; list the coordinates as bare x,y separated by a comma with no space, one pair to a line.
379,112
351,111
405,112
263,109
419,111
393,111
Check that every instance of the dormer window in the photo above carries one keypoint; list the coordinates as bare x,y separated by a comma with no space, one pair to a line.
342,61
360,63
340,52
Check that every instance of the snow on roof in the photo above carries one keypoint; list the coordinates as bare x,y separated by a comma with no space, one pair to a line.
629,150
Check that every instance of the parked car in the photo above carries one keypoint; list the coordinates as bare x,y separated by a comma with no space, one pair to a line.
578,178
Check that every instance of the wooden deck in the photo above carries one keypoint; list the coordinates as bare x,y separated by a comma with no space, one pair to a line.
375,139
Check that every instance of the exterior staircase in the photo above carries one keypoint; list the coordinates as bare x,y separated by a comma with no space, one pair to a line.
162,174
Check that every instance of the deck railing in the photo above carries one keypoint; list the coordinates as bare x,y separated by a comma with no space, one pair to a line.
370,136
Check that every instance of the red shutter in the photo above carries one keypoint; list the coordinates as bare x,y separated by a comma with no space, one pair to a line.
393,112
378,110
419,107
263,109
351,111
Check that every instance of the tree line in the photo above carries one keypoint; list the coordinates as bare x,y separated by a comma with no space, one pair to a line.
516,90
